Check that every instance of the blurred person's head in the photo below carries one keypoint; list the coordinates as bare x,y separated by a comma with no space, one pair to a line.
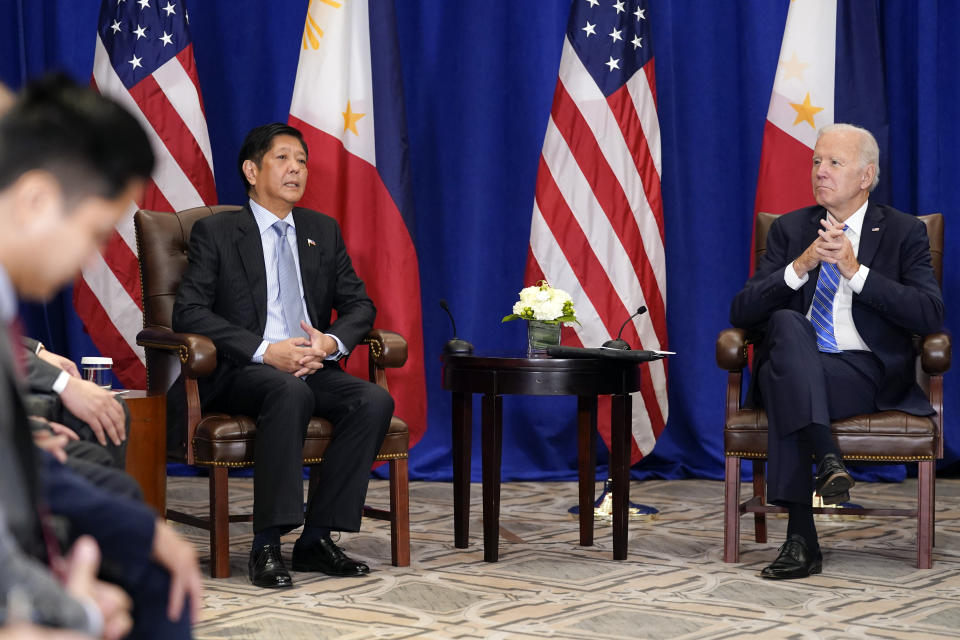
71,163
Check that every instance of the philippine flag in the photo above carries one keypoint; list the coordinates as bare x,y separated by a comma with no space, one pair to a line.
830,70
348,102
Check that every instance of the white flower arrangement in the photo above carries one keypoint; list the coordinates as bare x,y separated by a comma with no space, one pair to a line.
544,303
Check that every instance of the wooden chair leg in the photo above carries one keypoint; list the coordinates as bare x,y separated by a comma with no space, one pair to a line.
399,513
731,510
219,524
760,491
925,480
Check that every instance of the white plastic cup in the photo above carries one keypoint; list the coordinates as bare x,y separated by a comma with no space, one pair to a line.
97,370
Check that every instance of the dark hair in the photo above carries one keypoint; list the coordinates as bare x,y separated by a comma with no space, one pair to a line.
88,142
259,141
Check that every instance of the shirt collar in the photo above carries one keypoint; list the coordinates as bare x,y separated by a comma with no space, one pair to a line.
266,218
855,221
8,298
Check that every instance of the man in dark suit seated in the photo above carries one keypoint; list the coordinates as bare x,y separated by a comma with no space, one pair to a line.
262,283
71,162
839,294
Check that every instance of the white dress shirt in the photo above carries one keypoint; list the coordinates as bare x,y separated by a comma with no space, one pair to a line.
844,330
276,329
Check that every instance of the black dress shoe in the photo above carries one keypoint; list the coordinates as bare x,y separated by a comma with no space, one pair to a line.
324,556
833,480
794,561
266,568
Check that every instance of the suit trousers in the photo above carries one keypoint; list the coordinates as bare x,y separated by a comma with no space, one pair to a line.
282,406
800,385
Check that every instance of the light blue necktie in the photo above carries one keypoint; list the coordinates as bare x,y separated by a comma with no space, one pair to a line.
290,301
821,312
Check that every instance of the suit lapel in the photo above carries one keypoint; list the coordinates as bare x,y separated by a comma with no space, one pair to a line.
810,233
251,255
310,251
869,238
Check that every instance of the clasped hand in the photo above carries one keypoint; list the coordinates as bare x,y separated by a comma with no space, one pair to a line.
832,246
300,356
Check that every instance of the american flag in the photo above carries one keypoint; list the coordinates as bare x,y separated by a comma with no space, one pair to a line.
144,60
597,229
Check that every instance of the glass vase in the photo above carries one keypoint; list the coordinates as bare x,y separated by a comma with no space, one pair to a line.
541,335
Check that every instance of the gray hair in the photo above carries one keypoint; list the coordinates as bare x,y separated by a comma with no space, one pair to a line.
869,150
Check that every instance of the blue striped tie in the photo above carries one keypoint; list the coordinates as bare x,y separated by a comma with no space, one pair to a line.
821,312
290,301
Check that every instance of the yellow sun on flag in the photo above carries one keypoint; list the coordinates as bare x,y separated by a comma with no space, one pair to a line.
806,111
350,118
311,30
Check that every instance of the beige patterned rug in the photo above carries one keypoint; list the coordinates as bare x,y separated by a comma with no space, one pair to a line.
673,585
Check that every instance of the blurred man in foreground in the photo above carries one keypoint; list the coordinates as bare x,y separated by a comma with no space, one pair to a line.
71,161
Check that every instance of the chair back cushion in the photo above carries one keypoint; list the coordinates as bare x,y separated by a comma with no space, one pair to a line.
162,242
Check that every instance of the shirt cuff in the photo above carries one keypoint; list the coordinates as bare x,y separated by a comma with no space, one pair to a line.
258,354
61,382
341,350
859,279
792,279
95,620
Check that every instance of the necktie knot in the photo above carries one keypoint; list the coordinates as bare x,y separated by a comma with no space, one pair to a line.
281,228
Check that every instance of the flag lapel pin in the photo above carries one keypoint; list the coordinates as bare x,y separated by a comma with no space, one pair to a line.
875,229
311,243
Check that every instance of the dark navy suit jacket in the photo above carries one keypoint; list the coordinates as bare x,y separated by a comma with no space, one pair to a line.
223,293
900,298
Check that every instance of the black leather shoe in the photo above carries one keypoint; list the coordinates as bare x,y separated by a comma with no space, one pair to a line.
266,568
794,561
833,480
326,557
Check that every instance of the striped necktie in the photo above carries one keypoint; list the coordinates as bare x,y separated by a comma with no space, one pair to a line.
821,312
290,300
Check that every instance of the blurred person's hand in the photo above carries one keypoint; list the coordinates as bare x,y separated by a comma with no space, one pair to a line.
114,604
97,407
59,362
179,558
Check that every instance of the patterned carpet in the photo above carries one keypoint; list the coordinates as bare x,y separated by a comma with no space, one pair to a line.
545,586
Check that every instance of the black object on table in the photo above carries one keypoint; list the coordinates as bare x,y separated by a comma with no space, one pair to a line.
584,377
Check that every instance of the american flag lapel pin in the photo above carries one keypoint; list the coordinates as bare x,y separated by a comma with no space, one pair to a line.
875,229
311,243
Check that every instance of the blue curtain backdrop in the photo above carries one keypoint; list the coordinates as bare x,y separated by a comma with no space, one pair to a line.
479,78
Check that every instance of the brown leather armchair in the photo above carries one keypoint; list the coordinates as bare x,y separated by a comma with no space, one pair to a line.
219,441
884,437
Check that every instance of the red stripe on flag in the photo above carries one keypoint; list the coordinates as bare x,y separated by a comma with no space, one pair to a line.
625,113
648,70
609,193
190,66
171,129
123,263
127,367
349,189
153,198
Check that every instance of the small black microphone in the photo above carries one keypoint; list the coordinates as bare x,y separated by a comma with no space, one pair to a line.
622,344
455,346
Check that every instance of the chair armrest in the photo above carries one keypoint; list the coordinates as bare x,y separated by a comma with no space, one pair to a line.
732,349
387,349
935,353
198,356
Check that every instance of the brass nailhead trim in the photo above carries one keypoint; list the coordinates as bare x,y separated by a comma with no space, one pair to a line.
240,465
376,349
181,350
756,456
